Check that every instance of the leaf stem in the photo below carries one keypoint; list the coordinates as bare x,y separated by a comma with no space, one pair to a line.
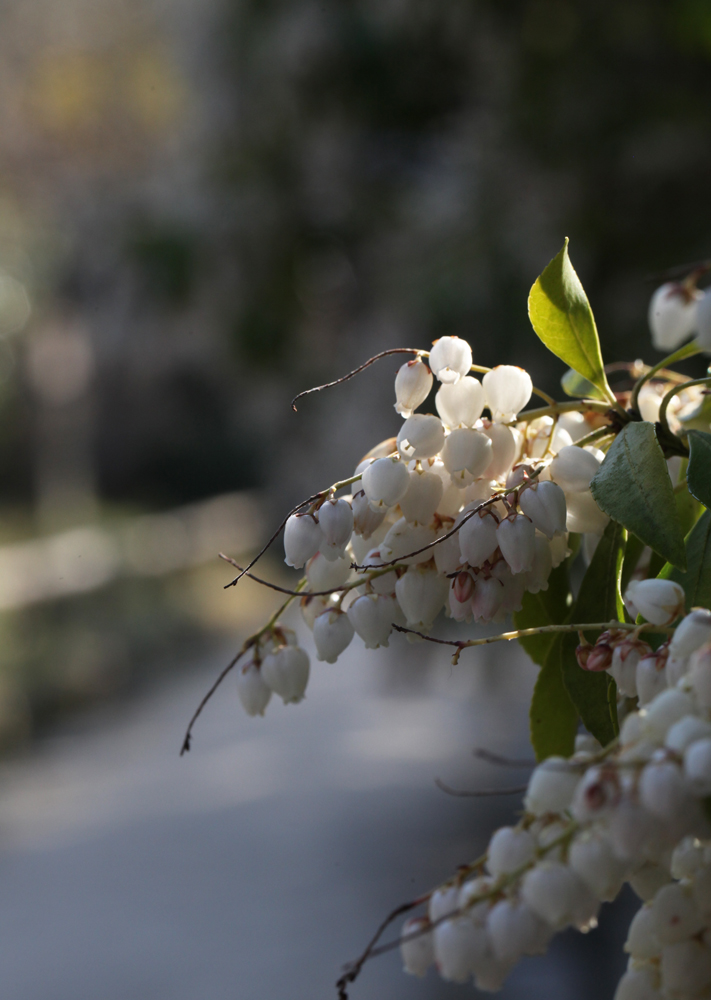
687,351
670,395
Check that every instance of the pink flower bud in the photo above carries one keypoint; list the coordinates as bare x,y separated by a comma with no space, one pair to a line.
488,596
463,587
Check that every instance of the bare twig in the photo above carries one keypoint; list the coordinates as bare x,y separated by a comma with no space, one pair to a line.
496,758
356,371
479,793
230,666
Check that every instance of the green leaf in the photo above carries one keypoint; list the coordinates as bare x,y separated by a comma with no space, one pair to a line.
698,474
547,607
696,581
553,717
599,600
632,485
633,551
579,387
561,316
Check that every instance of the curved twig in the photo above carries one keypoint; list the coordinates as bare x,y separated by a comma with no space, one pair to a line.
496,758
230,666
479,793
356,371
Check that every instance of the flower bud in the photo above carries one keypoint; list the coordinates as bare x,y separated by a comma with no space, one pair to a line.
466,455
460,611
443,901
302,539
697,767
422,498
460,404
551,787
487,599
650,677
639,984
672,315
583,515
510,848
641,942
507,389
662,791
450,359
478,538
515,930
674,914
591,858
575,424
552,891
573,468
691,633
372,617
458,944
412,386
312,607
595,659
544,503
385,482
516,537
421,593
286,671
333,632
625,657
417,953
365,519
252,690
666,709
686,968
596,794
335,518
505,443
421,436
685,732
324,575
659,601
463,587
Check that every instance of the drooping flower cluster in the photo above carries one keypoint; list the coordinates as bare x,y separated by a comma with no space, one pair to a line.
637,811
501,490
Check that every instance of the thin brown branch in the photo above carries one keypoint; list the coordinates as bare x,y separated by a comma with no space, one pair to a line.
496,758
230,666
479,793
356,371
429,638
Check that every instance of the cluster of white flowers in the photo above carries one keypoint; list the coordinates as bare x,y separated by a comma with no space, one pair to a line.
277,666
677,311
636,812
429,482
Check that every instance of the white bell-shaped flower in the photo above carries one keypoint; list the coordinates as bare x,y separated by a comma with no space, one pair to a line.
507,389
422,498
687,858
659,601
286,671
450,359
478,539
421,593
385,482
335,518
700,675
252,690
551,890
421,436
666,709
514,587
487,599
639,984
458,945
703,322
559,549
641,942
505,444
544,503
323,574
460,404
405,538
516,536
662,791
675,916
649,402
623,668
333,632
372,616
537,576
385,583
365,519
510,848
412,386
515,930
551,787
446,554
575,424
672,316
443,901
302,539
691,633
697,767
591,858
417,953
583,514
686,969
573,468
466,455
312,607
650,678
685,732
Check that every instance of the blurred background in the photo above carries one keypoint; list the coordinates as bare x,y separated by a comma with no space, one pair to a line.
206,207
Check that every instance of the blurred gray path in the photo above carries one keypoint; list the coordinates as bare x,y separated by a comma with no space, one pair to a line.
255,865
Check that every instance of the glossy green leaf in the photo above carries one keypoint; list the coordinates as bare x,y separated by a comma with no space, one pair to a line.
561,316
696,581
547,607
575,385
632,485
599,600
698,473
553,717
633,551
